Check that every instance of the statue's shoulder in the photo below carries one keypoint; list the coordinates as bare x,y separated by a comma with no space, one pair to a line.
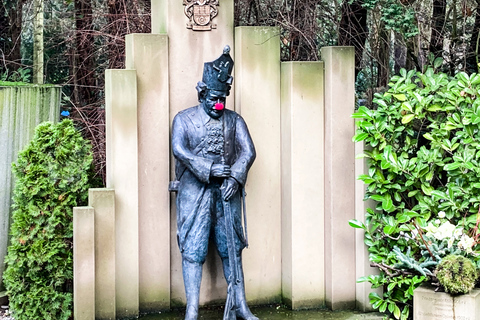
188,111
233,115
185,114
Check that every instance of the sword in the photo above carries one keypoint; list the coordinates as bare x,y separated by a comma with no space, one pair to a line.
230,307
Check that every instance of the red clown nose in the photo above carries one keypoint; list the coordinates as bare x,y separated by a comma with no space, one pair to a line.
219,106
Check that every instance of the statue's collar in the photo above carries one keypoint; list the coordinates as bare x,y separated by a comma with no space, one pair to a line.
204,117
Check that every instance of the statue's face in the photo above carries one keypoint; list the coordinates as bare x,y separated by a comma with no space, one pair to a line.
214,104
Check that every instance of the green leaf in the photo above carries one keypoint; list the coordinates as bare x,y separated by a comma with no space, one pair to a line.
434,108
427,189
451,166
396,312
360,137
376,197
380,102
407,118
400,97
428,136
391,286
439,194
437,64
412,193
387,203
389,229
356,224
383,306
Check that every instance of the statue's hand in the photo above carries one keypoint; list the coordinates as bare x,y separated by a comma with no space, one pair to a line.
229,188
220,170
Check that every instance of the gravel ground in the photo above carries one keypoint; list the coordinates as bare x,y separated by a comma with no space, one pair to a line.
4,314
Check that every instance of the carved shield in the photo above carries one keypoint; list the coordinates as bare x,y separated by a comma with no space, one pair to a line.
201,14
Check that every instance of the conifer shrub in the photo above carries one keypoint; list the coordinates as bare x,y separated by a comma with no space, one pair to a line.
456,274
52,176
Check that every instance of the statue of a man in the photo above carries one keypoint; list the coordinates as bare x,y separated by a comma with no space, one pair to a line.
213,152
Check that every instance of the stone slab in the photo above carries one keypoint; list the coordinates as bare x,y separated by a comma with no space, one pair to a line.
103,202
303,282
431,305
159,11
257,99
153,166
339,177
188,51
83,263
122,175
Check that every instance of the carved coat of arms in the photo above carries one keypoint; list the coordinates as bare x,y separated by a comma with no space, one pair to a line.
201,13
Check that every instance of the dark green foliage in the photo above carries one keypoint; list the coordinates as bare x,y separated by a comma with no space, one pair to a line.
456,274
52,175
424,174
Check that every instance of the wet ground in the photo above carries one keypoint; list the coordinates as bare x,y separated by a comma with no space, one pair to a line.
272,313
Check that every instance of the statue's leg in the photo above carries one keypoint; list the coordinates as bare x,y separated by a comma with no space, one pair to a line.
243,311
192,278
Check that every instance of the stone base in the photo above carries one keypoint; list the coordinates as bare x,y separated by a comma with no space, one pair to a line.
3,298
431,305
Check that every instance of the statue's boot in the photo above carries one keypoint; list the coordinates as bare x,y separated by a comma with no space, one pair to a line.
192,277
243,311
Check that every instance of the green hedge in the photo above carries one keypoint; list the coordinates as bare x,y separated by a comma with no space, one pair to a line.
53,174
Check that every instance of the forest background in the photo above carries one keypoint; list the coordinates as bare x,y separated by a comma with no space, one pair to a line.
72,42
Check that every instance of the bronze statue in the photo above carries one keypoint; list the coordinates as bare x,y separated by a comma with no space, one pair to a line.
213,152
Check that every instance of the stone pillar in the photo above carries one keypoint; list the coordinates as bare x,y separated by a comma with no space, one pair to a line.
361,251
257,99
303,282
148,55
83,263
188,51
159,14
103,202
339,177
122,175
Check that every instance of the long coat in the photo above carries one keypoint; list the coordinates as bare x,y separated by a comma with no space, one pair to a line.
199,205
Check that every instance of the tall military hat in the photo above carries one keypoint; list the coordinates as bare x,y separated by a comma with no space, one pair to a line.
217,74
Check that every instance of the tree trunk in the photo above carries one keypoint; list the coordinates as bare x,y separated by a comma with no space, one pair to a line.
38,42
383,59
118,26
353,29
84,76
438,24
13,57
474,47
400,53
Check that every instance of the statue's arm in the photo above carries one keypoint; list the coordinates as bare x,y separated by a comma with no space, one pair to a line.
245,152
199,166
